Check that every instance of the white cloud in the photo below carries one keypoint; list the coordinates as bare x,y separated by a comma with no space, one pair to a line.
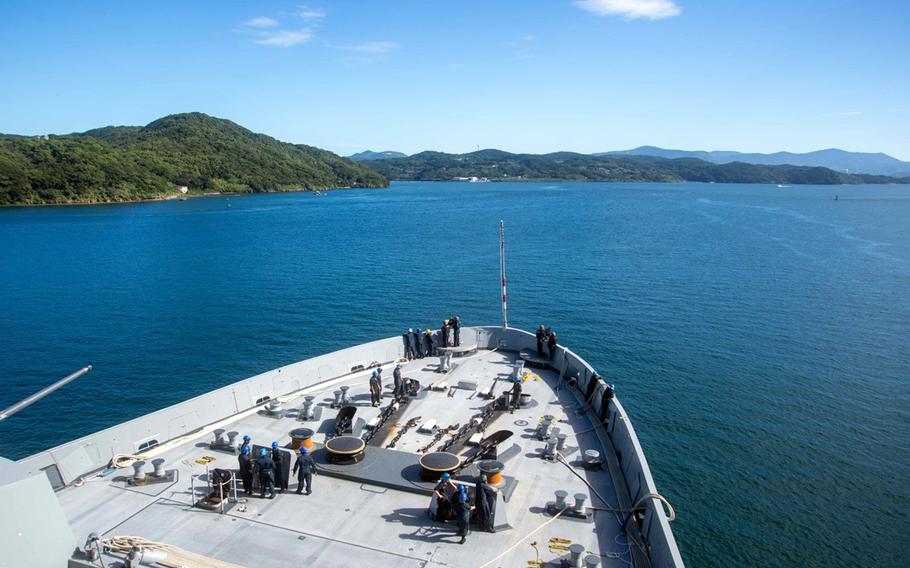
631,9
285,38
261,22
850,113
311,13
374,47
529,37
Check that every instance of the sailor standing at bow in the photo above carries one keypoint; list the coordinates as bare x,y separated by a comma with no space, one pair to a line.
266,468
515,395
541,339
409,347
551,344
280,482
305,468
418,344
247,443
463,510
486,504
246,470
428,336
399,382
375,389
456,329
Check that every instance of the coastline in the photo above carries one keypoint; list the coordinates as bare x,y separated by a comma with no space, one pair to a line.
176,197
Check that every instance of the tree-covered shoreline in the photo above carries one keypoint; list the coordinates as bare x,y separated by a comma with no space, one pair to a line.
497,165
118,164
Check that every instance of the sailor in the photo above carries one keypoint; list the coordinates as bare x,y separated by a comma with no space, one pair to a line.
442,492
541,339
516,393
418,343
592,387
266,468
408,337
463,510
399,382
486,504
445,333
375,389
456,328
609,393
246,443
280,482
246,469
428,337
305,468
551,344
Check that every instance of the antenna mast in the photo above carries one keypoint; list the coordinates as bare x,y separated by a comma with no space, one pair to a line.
502,273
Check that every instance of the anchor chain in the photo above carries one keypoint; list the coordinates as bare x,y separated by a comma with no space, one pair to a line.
410,424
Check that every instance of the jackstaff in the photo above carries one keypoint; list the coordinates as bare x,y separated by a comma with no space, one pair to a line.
43,393
502,272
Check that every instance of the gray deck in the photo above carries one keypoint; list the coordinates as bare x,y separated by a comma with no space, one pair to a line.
345,523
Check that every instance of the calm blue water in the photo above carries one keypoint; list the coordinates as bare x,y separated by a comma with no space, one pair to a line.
760,338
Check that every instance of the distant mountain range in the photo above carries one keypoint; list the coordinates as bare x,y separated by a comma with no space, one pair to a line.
497,165
131,163
371,155
838,160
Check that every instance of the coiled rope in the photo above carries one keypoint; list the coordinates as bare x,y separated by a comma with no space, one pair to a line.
175,557
121,461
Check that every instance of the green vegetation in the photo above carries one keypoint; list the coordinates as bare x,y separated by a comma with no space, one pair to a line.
503,166
371,155
131,163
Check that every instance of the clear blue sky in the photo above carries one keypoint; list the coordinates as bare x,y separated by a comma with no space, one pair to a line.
531,76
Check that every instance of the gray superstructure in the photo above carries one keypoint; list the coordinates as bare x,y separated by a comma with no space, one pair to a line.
369,513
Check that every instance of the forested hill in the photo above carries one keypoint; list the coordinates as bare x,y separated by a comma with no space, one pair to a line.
504,166
371,155
131,163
